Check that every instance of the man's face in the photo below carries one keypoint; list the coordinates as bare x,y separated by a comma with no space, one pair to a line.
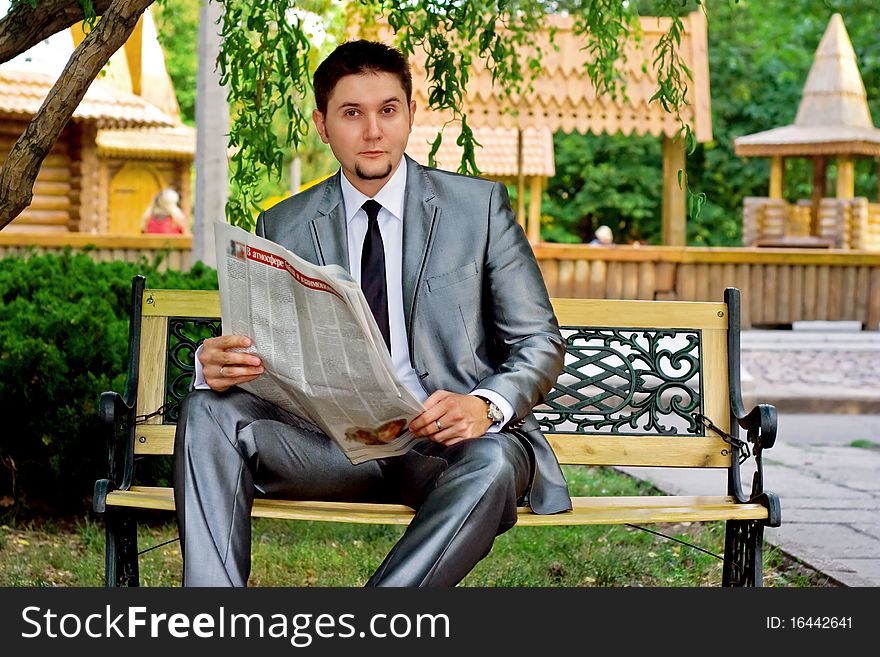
367,125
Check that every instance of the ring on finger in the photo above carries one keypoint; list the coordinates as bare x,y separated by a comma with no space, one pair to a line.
439,426
221,370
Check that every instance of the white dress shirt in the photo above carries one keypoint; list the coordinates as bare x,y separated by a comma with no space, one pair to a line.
391,198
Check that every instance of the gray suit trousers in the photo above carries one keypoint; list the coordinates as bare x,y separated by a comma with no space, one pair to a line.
232,447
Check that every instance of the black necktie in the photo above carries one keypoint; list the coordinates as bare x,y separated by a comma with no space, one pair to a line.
373,271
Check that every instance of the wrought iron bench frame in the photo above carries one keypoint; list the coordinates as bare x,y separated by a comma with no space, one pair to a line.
645,383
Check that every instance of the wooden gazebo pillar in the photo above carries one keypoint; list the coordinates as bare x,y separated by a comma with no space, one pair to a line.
674,212
537,189
820,169
846,177
777,176
520,182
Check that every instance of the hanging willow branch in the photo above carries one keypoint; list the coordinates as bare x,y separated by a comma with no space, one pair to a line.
265,60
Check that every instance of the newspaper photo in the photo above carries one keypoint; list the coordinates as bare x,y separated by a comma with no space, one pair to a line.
324,357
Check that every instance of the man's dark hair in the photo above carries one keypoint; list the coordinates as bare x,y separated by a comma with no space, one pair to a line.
357,57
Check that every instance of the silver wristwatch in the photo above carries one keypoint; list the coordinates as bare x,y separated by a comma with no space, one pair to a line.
492,411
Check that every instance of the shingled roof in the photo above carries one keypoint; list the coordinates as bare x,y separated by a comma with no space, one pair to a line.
177,143
497,155
564,98
22,93
833,117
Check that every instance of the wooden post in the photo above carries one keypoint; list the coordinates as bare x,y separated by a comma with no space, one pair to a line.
535,209
820,166
520,183
92,216
674,195
846,177
777,176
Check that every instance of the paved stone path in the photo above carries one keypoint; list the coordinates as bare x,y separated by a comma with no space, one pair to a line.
825,465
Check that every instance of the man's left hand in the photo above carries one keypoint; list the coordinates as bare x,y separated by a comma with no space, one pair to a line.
449,418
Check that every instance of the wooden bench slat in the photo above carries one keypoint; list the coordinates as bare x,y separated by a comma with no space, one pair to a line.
640,314
578,312
586,511
181,303
657,451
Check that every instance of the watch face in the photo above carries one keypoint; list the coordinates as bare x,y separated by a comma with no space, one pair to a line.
495,413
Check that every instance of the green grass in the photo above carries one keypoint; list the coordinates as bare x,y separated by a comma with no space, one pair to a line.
287,553
864,444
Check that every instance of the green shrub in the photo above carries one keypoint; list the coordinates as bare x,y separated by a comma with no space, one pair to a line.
63,341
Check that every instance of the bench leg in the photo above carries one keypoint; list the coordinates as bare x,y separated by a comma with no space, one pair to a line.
743,560
121,565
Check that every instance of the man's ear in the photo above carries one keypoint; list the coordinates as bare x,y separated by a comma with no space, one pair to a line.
412,113
318,120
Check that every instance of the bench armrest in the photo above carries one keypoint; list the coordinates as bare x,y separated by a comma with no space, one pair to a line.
117,412
118,419
760,425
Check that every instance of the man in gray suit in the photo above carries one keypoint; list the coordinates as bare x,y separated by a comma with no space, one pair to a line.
465,314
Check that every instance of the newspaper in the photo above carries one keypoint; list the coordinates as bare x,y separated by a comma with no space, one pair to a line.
324,357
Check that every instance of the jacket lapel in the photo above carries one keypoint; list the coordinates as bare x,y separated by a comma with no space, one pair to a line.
329,231
420,214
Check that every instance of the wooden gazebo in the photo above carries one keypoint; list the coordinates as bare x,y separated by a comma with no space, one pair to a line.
833,121
564,99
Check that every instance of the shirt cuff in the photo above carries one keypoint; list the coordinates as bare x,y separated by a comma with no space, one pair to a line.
198,382
505,406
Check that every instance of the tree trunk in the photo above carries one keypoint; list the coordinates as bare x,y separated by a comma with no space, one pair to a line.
25,26
23,163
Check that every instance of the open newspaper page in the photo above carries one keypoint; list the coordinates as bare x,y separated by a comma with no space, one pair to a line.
324,357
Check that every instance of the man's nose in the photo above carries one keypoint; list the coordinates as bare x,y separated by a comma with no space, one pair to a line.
371,128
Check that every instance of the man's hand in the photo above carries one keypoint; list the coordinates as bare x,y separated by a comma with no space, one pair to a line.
224,368
449,418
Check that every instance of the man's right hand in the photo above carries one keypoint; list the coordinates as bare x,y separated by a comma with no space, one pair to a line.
224,368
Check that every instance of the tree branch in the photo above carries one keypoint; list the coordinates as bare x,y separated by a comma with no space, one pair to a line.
21,167
25,26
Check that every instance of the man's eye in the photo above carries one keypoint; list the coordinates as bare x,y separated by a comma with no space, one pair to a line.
388,110
351,112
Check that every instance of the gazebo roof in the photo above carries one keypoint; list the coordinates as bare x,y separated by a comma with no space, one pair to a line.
498,155
833,117
563,98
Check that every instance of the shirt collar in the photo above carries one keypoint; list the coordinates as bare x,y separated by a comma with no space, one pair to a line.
389,197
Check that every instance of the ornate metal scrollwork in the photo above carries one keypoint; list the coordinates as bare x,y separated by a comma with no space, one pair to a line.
185,334
628,382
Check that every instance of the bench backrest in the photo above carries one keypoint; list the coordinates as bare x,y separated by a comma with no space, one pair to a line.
638,375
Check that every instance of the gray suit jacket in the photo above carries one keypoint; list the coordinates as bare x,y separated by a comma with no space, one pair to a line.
476,307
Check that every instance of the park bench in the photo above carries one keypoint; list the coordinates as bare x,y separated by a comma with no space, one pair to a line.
645,383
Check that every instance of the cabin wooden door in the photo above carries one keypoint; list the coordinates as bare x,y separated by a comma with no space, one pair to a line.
131,190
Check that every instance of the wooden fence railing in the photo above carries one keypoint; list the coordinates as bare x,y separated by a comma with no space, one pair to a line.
779,286
175,251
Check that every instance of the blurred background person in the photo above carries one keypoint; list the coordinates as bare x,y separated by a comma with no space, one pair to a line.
164,215
603,236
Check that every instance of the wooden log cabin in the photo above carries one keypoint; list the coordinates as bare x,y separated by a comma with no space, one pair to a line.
125,142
